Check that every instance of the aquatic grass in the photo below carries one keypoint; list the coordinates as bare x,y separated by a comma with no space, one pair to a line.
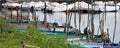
45,41
11,40
30,37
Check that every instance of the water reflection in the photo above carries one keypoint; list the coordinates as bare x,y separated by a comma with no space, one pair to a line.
60,17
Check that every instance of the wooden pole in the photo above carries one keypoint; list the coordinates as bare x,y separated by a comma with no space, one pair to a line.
66,23
105,13
65,29
99,28
21,15
17,15
88,24
45,17
79,9
28,16
92,22
108,34
11,14
75,16
6,8
35,19
69,22
34,16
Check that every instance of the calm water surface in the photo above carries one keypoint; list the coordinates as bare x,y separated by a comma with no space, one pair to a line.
60,17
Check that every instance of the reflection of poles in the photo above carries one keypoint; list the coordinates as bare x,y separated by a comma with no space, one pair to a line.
108,35
75,17
11,14
99,28
65,28
103,22
21,15
34,16
4,11
102,26
45,17
88,24
54,29
105,13
115,24
67,23
79,18
17,13
28,17
67,20
92,22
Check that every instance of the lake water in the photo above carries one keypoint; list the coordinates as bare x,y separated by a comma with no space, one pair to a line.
60,17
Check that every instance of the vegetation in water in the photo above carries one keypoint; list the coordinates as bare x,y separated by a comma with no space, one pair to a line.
31,37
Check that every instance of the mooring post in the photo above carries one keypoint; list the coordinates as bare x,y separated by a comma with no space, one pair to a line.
21,15
17,8
45,17
11,14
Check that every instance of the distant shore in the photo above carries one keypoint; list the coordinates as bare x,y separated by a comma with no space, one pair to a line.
69,1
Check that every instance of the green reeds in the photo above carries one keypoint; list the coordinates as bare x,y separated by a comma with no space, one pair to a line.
30,37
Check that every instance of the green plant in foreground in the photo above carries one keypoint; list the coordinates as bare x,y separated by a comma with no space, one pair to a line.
43,41
13,39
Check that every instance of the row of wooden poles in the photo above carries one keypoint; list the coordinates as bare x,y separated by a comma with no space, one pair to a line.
68,20
17,11
20,16
101,26
102,22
